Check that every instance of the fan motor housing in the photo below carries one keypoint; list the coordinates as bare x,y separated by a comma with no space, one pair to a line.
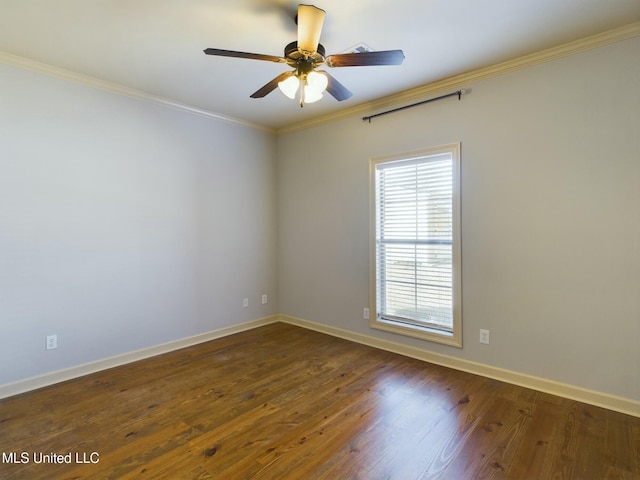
293,53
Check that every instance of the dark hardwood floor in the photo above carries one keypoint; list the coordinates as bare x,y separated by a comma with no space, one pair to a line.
281,402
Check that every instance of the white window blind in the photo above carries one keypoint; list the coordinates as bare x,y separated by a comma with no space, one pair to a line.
414,241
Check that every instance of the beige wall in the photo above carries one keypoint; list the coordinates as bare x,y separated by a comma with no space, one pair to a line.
550,217
124,224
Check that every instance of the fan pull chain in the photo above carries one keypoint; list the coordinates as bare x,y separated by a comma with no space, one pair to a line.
301,90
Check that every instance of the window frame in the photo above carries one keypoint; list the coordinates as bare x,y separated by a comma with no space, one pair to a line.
453,338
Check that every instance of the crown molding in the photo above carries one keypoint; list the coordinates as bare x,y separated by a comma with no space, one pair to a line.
86,80
460,81
415,94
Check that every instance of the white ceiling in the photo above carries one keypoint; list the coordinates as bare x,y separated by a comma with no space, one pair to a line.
155,46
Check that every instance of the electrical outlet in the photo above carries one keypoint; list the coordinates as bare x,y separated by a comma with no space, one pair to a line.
52,342
484,336
245,302
265,299
365,313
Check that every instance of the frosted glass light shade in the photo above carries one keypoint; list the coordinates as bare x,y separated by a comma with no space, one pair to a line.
310,95
313,85
317,82
289,86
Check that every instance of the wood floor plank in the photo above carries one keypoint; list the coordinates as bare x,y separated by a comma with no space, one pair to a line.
390,426
490,448
288,403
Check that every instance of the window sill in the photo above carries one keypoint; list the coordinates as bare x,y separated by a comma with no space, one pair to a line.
423,333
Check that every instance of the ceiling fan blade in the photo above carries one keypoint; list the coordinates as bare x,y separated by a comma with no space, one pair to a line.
365,59
336,89
310,21
272,85
251,56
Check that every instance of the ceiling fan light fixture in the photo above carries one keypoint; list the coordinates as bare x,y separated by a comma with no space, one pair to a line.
289,86
305,55
313,85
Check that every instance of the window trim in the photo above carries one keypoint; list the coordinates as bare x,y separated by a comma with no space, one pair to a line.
455,338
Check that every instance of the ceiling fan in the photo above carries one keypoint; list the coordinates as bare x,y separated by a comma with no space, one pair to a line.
305,56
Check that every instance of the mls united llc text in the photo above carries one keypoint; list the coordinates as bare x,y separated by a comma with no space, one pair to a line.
52,457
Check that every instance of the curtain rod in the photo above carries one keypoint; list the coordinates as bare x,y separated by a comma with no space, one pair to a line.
458,93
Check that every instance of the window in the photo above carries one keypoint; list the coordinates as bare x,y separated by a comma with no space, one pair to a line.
415,254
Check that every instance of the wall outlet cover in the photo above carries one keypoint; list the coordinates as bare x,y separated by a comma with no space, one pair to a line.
52,342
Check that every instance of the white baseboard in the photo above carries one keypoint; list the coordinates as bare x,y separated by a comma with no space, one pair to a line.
599,399
47,379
